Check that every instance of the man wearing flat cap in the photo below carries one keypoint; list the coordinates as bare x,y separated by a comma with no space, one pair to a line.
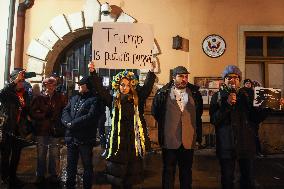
15,103
178,107
80,117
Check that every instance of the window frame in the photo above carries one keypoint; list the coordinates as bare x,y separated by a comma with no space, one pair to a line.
265,60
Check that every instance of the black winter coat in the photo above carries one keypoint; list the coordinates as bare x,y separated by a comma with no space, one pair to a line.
124,166
234,125
83,115
159,109
11,104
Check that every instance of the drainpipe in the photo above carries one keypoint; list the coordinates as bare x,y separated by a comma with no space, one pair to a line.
20,32
9,40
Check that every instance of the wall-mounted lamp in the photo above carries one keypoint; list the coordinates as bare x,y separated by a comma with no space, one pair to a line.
105,9
177,42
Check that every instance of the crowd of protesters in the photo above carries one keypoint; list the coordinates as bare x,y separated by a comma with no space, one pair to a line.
41,115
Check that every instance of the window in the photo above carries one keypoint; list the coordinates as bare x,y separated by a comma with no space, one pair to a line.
254,46
265,58
275,46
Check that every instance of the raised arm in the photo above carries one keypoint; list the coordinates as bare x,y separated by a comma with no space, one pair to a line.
96,83
10,87
219,110
145,90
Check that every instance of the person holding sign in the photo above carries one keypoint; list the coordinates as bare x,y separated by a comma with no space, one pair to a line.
233,115
127,139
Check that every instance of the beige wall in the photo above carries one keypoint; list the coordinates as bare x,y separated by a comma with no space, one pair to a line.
191,19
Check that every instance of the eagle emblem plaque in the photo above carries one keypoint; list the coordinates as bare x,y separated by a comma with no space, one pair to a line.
214,46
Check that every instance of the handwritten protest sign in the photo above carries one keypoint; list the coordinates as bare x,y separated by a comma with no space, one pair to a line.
267,98
122,45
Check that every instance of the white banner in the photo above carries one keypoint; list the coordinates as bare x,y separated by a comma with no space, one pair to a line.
122,45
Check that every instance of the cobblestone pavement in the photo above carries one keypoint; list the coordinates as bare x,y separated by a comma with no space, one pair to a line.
269,171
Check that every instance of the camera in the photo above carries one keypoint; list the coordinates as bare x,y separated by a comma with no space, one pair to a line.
29,75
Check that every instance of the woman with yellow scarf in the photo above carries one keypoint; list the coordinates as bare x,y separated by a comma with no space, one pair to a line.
128,133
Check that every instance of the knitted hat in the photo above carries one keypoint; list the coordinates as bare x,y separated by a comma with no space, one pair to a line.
14,73
85,80
247,80
231,69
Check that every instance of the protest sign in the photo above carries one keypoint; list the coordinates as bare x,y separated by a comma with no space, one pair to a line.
122,45
267,98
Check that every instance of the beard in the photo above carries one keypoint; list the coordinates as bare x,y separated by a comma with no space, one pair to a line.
180,85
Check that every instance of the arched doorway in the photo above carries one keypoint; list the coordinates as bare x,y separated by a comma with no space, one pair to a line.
71,65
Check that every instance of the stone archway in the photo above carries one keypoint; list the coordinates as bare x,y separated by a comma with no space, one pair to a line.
63,30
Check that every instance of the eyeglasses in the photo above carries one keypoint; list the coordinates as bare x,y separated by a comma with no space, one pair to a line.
232,77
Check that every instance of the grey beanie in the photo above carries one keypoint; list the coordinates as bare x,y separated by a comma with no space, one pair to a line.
231,69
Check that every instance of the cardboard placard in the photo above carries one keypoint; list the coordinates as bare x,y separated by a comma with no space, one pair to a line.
122,45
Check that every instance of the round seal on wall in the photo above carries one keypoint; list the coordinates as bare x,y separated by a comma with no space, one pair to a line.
214,46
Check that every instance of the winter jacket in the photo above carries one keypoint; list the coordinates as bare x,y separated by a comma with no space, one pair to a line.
82,114
234,125
56,104
40,114
17,123
159,109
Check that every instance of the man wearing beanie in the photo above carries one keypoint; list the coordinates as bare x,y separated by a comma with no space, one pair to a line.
178,107
80,118
232,113
247,83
